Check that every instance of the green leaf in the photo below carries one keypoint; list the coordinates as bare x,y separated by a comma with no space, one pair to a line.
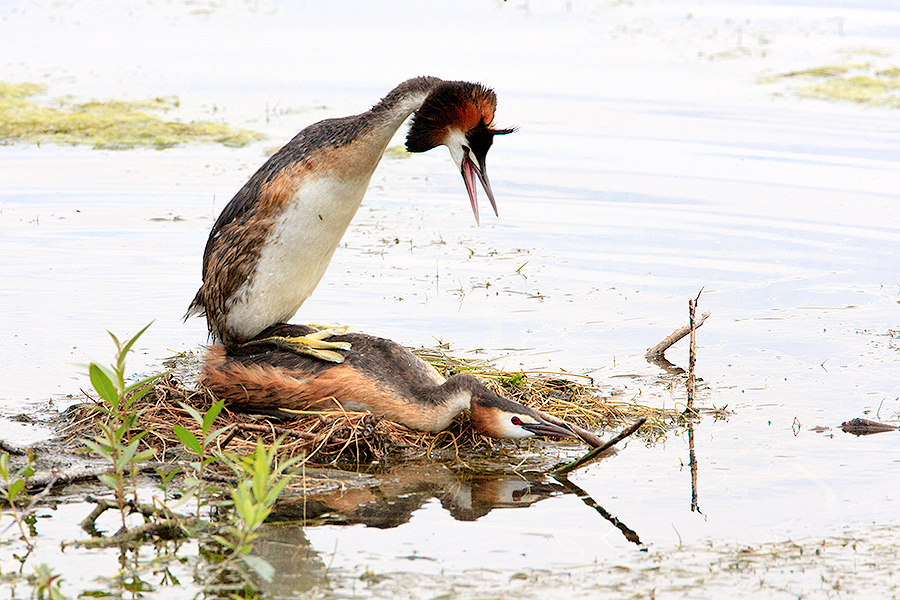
260,566
126,348
146,382
114,339
276,489
225,542
167,475
100,449
195,414
127,454
213,435
108,480
144,455
210,416
14,488
103,384
188,439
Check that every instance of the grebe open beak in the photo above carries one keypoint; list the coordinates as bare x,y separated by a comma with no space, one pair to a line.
470,170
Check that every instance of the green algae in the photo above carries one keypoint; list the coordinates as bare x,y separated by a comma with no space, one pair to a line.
828,70
865,50
10,91
861,83
396,152
110,124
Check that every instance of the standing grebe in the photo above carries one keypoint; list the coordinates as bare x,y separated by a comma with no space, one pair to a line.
271,245
377,375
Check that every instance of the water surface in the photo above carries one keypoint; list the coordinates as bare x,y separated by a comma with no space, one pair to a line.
649,164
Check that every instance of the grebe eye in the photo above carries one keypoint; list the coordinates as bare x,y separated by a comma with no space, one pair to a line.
516,421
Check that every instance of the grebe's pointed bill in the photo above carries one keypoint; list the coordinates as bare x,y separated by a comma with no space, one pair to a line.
470,169
498,417
468,174
543,428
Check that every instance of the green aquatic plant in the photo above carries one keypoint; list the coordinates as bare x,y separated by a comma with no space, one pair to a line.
200,445
261,478
117,443
114,124
46,583
14,482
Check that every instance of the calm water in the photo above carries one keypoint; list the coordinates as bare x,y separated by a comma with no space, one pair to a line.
648,165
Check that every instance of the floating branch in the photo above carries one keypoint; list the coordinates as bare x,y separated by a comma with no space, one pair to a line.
599,449
659,350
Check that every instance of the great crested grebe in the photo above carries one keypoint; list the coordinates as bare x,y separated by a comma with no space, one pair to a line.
271,245
377,375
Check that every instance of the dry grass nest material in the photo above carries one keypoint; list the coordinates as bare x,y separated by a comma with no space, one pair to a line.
336,436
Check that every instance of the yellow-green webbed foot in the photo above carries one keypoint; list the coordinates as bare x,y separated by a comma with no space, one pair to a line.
312,344
333,329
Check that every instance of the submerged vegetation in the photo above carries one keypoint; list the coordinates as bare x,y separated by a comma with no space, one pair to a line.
115,124
851,81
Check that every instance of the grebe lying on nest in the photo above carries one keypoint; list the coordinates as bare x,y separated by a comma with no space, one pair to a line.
376,375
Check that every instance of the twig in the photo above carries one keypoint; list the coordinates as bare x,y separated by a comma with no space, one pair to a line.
77,475
692,355
11,449
278,430
658,350
593,453
167,529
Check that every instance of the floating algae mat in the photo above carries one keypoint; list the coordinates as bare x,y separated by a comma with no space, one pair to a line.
115,124
860,82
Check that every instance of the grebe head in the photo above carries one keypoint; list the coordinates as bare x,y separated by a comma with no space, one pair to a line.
498,417
459,115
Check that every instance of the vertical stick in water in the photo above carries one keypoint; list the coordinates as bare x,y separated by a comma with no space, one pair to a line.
692,357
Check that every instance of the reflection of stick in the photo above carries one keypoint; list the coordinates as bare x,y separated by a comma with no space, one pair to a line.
660,349
594,452
695,505
630,535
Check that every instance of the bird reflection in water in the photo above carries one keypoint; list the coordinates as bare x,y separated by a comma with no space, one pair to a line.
394,496
390,501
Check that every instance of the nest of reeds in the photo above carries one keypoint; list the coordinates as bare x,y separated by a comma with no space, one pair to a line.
339,436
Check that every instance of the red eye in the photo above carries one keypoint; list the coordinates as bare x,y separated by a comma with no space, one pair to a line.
516,421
